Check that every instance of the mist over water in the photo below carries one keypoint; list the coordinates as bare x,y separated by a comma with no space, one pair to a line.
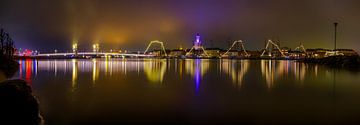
191,91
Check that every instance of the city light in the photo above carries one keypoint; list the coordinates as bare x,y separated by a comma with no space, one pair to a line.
96,47
156,42
75,47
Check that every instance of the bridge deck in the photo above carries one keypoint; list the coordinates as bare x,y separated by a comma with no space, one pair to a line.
93,54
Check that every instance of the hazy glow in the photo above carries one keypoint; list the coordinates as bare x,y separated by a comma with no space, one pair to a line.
131,24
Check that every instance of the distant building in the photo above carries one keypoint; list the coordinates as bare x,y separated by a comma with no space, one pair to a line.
213,52
276,53
254,54
347,52
197,42
296,54
156,52
317,53
342,52
232,54
176,53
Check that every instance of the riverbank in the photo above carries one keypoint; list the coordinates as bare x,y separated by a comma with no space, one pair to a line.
347,62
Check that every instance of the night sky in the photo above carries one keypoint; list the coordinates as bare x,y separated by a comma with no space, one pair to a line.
46,25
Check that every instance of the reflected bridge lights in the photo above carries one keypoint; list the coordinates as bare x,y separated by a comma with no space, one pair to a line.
95,71
74,74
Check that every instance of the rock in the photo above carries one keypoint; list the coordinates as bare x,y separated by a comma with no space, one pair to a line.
18,105
8,67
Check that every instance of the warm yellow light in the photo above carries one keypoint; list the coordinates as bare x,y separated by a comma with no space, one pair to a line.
74,46
96,47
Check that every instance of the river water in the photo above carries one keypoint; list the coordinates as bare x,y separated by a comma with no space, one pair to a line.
192,91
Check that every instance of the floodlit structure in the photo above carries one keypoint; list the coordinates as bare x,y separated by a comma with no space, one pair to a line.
197,42
239,42
267,46
299,52
156,42
197,46
300,48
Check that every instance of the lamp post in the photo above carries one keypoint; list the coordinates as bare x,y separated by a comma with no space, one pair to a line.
335,35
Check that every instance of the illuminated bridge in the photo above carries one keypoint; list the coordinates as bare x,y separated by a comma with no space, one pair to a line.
93,54
96,53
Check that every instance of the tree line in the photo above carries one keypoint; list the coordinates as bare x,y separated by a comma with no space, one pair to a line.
7,48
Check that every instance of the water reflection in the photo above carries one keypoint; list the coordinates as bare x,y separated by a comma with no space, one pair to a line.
197,69
95,70
300,70
29,67
268,72
273,70
236,70
189,88
74,73
155,70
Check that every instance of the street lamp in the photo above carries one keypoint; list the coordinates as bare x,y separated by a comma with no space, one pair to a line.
335,35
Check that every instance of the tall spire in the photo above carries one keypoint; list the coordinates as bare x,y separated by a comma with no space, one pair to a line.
197,42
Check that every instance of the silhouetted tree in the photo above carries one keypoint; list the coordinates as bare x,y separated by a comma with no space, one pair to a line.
2,36
7,48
